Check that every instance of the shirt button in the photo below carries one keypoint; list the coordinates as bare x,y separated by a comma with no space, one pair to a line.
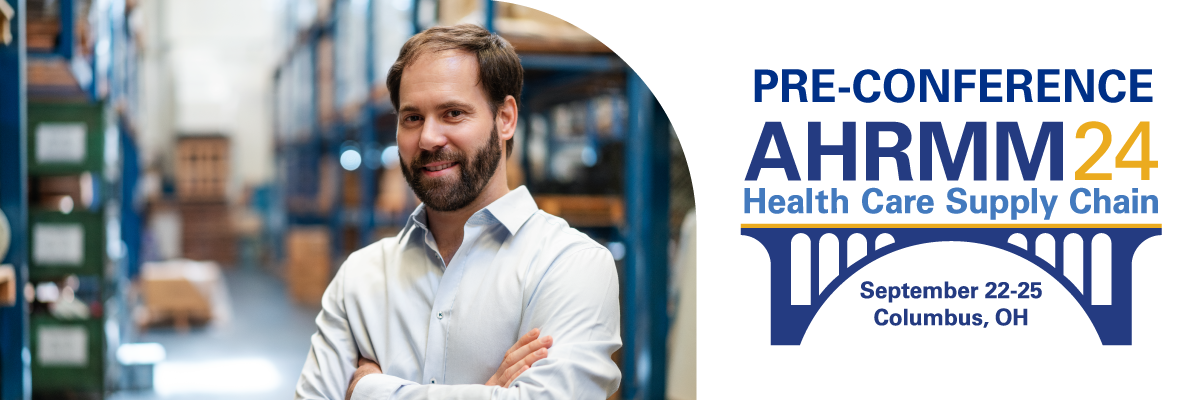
433,381
439,315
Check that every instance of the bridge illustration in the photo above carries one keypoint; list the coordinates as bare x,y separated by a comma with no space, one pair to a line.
1094,262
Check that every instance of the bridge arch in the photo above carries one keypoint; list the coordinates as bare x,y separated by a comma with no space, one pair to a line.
1055,319
1008,247
1112,321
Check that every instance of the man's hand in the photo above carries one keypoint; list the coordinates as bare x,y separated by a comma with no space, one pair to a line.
365,367
519,357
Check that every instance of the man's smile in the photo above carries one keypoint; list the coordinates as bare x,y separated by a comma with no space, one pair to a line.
438,168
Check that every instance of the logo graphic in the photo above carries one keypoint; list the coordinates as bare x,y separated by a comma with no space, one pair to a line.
1106,249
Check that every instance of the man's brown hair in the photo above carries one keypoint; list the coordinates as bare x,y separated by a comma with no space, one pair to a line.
500,69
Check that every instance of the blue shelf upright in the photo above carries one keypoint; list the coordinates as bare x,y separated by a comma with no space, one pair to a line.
647,197
15,378
368,175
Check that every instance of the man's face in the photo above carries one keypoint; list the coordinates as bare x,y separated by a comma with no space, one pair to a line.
447,138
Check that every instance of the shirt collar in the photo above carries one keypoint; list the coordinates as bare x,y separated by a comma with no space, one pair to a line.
511,210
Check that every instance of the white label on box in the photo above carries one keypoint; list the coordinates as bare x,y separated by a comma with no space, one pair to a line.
58,244
62,346
61,143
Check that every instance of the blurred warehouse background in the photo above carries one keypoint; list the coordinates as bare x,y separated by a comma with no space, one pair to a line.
180,179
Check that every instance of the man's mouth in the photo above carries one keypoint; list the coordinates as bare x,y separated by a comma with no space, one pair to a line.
435,167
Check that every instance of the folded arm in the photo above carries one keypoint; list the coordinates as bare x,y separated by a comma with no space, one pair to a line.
575,302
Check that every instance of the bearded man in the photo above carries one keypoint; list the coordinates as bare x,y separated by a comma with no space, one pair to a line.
481,295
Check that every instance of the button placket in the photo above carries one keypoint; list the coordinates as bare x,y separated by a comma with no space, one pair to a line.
438,332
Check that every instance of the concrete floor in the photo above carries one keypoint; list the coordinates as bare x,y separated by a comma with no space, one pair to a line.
255,353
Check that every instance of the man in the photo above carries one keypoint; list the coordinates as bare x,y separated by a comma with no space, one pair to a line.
481,295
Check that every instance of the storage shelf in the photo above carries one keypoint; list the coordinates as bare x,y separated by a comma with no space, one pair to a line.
60,81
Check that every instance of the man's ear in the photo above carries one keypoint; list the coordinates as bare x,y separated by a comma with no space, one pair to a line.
506,118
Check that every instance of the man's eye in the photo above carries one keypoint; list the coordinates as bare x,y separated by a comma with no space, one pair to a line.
412,118
455,113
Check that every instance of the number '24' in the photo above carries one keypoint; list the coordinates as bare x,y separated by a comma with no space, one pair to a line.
1145,163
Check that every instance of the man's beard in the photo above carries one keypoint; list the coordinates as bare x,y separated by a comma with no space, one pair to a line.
441,194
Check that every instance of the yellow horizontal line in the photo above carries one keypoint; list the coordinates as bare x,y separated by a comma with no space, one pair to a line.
959,226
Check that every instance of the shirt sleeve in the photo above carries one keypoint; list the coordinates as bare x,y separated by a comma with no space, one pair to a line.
333,356
576,302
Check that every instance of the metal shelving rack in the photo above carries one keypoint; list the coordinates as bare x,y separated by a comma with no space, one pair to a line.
305,143
106,84
643,139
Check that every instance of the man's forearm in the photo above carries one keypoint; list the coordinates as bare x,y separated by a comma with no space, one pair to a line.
551,379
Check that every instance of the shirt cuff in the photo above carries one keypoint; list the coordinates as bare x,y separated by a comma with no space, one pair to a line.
378,387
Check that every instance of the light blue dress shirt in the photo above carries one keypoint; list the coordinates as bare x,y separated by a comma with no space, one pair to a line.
440,331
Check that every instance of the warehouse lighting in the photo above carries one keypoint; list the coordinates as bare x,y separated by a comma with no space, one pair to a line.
351,159
65,204
47,292
86,195
390,158
589,156
244,375
141,353
617,249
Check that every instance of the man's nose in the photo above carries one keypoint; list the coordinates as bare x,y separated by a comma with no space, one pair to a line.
433,135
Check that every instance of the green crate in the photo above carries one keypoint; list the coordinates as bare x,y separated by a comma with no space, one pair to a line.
68,355
71,244
70,136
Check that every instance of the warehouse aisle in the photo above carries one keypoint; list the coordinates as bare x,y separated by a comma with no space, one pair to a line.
257,353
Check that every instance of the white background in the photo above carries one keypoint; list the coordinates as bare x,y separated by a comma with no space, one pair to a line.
699,60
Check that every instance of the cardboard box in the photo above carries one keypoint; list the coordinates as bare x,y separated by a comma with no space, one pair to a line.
202,168
208,232
584,211
8,285
308,263
42,33
326,110
393,192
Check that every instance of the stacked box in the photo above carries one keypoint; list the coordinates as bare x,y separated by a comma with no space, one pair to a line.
308,263
351,189
208,232
51,79
202,168
393,192
527,29
42,33
326,111
201,175
48,191
584,211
